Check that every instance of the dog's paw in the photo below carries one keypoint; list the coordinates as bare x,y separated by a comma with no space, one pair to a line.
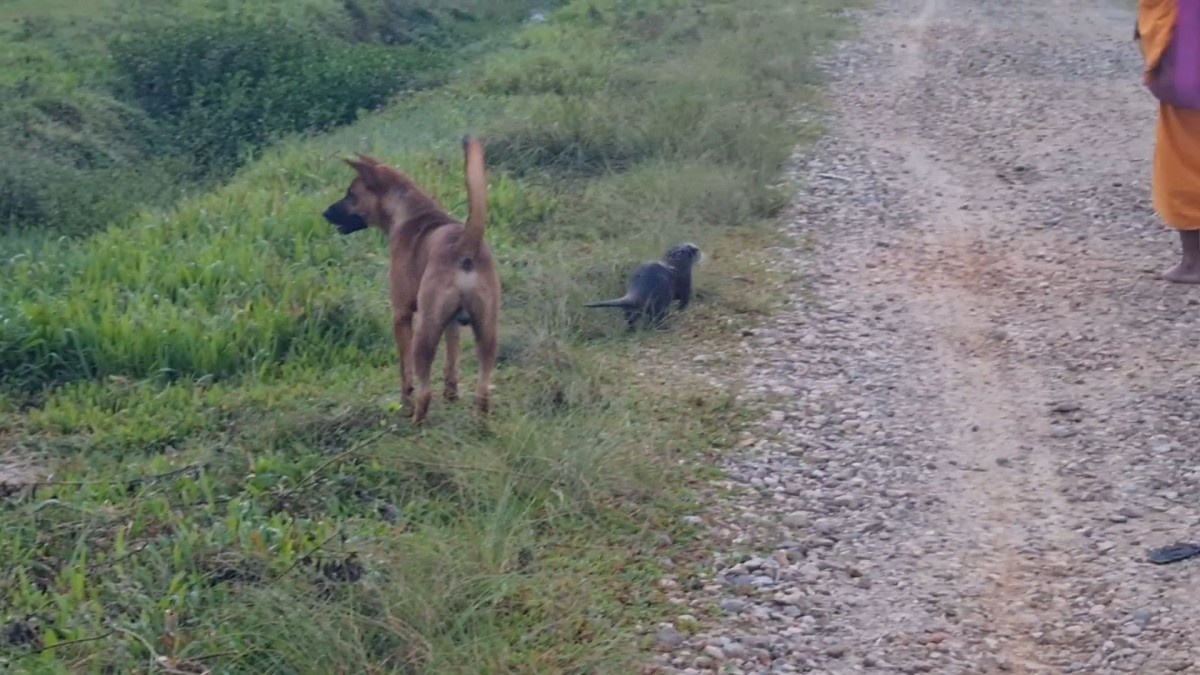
483,406
421,408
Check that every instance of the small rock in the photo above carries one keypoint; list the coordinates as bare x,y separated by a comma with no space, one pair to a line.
741,582
1131,512
993,663
810,573
796,519
825,526
845,501
733,650
733,605
668,636
714,652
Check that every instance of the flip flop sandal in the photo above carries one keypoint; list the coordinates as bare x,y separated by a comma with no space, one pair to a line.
1173,553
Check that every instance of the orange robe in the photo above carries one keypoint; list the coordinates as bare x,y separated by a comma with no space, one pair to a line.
1176,177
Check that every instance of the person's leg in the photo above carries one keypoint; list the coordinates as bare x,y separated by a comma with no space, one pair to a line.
1188,269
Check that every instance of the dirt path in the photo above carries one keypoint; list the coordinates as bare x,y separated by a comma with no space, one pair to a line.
983,421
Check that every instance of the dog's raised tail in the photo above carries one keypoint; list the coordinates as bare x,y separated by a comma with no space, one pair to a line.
476,196
623,301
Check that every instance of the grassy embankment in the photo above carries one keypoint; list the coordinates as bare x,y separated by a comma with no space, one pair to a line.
203,457
163,97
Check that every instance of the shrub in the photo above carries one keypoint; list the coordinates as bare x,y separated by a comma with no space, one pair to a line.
439,24
229,86
65,151
36,192
219,81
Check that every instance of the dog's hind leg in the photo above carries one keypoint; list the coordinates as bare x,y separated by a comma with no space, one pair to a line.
451,371
431,322
483,309
402,327
487,348
437,306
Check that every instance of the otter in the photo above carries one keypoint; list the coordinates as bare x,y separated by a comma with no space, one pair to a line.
655,285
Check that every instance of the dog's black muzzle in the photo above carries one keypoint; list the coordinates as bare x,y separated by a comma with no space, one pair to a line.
346,222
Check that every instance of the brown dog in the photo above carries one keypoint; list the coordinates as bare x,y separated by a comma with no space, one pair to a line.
442,273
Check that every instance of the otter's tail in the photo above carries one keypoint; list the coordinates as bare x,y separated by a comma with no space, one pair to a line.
476,195
624,301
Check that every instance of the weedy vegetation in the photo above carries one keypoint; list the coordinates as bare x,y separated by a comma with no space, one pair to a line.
203,463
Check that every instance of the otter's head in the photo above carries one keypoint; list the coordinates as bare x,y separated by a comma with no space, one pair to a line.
683,256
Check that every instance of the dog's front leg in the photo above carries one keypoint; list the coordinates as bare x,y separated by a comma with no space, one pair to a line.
403,327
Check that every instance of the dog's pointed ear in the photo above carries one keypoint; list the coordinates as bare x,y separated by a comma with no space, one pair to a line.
366,171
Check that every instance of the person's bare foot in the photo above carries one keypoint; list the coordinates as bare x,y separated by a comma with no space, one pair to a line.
1188,269
1183,273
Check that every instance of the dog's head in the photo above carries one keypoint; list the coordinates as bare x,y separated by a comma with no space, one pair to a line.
683,256
374,198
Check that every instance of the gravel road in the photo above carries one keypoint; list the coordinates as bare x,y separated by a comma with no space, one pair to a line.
978,413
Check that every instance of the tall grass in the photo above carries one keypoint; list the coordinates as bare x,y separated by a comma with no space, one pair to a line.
209,392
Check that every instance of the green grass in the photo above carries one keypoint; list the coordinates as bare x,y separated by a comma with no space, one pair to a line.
202,456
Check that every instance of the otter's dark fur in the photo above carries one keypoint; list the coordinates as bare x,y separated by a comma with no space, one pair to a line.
655,285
